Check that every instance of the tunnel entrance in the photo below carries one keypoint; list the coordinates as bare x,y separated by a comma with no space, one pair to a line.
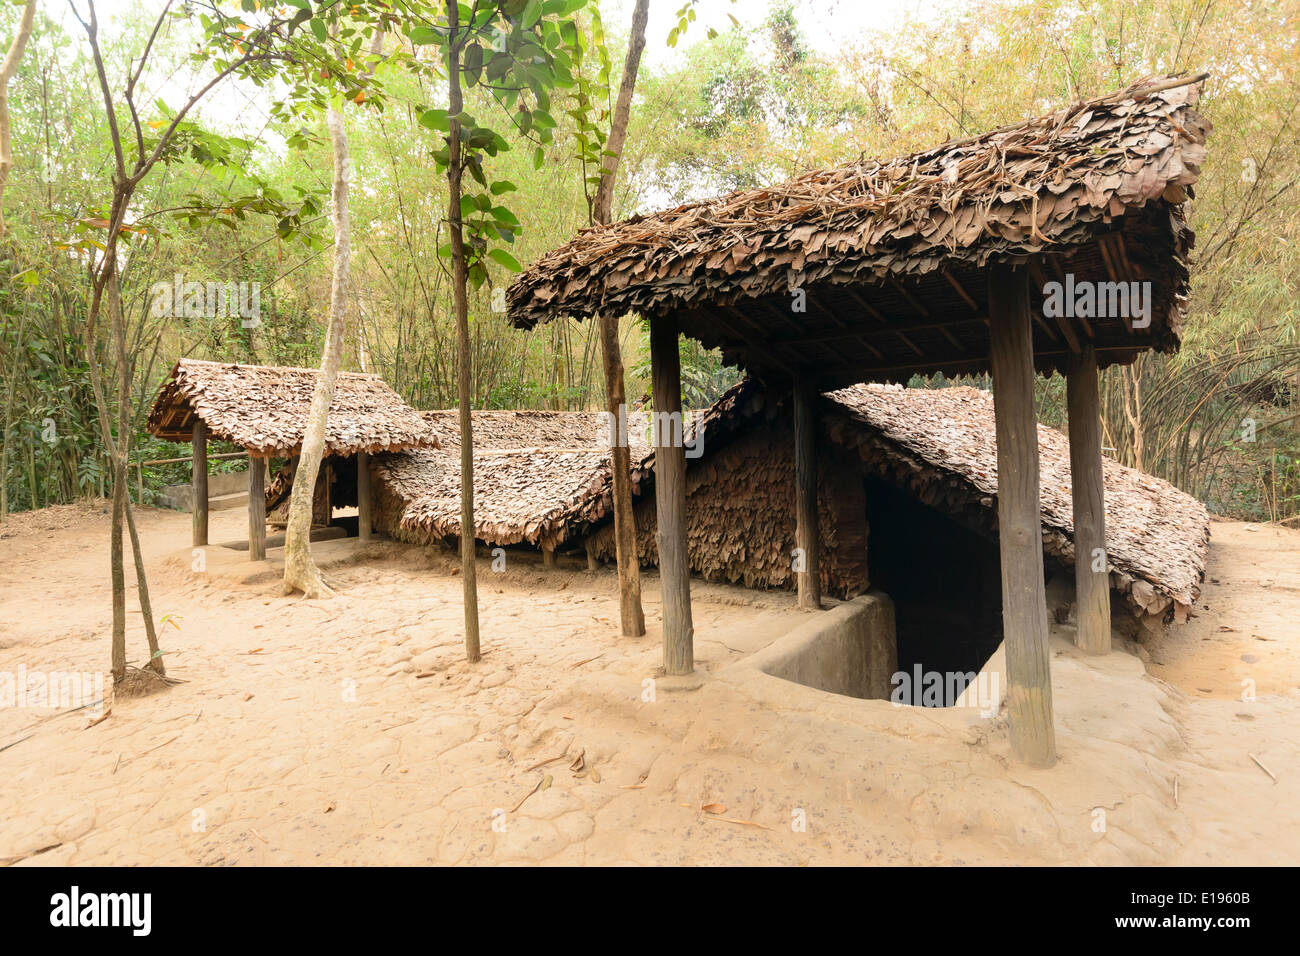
946,584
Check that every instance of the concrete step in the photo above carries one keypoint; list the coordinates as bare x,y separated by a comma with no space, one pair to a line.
238,499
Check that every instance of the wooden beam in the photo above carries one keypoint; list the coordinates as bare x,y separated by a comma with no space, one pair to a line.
365,522
548,559
1024,603
962,364
805,479
755,345
1091,577
1040,277
965,296
908,342
670,499
857,335
199,482
1054,263
874,332
911,300
256,508
1112,270
867,307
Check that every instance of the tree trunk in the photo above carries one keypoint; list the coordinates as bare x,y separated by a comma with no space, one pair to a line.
116,576
300,571
629,568
469,582
8,415
7,71
142,584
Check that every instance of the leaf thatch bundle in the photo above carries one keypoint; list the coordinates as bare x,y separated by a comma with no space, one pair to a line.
264,408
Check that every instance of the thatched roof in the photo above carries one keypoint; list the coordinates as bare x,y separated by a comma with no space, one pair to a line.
538,476
941,443
890,253
264,408
529,428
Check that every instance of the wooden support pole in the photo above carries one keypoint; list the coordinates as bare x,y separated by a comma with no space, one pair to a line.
591,557
199,483
256,509
548,559
805,479
1024,602
1091,577
670,497
364,521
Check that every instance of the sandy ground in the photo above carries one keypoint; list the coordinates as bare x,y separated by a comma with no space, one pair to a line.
302,733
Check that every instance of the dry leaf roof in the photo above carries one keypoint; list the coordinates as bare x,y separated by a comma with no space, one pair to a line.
538,476
1157,537
529,428
889,253
264,408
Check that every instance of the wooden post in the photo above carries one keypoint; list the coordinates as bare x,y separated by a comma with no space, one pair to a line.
199,483
805,475
256,509
548,558
591,558
670,497
364,520
1024,602
1091,578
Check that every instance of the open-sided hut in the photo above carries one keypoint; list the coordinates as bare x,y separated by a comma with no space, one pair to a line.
263,409
1056,244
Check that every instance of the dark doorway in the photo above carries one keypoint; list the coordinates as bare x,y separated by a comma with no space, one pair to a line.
945,581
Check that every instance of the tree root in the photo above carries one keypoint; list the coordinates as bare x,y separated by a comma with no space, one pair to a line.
309,581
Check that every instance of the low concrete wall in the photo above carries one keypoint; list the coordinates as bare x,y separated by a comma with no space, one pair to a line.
851,650
181,497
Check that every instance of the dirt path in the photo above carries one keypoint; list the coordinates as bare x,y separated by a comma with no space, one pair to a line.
303,733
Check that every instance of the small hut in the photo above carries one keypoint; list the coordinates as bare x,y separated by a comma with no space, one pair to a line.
964,258
263,409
